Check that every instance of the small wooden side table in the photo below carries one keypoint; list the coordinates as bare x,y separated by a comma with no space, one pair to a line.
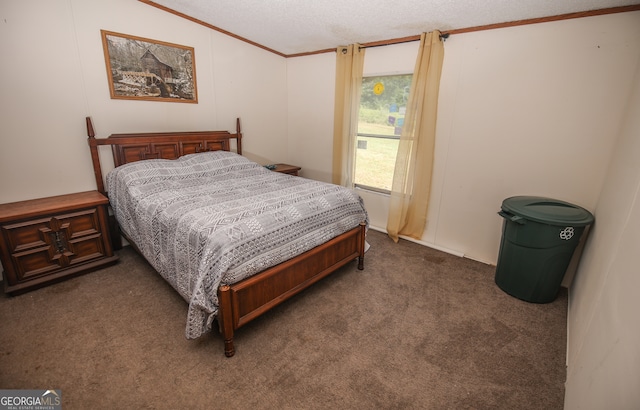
287,169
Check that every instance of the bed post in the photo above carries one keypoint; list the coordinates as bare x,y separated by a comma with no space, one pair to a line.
238,137
95,159
225,319
361,245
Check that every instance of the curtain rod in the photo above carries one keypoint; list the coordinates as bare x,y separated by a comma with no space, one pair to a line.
443,37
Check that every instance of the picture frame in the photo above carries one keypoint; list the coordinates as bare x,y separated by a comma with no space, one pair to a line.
143,69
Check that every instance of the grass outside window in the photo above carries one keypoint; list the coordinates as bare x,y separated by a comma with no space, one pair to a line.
380,121
376,162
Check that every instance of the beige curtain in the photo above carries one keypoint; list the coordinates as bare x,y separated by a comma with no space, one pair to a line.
349,64
414,163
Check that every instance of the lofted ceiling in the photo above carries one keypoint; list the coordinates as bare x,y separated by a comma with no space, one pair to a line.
291,27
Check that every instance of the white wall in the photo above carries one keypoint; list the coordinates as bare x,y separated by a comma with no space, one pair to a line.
310,95
54,75
604,336
528,110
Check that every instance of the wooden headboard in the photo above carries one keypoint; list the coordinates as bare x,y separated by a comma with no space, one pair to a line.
166,145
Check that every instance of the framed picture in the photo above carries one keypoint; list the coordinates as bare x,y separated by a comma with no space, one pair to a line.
143,69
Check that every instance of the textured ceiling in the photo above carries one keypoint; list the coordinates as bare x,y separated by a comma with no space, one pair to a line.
299,26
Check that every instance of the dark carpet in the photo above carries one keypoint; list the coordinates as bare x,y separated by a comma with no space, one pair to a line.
417,329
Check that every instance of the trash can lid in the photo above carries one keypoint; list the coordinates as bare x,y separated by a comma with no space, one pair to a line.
546,210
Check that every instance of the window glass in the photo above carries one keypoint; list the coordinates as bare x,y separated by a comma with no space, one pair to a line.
381,117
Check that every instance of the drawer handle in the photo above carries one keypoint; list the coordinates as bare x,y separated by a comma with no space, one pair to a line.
59,240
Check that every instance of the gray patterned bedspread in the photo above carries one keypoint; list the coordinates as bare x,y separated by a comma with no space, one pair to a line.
216,218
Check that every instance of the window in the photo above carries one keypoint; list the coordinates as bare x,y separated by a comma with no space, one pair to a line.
381,117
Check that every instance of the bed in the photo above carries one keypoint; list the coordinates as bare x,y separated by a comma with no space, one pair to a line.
233,238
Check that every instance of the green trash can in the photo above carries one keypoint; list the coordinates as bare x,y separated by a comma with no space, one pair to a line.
539,238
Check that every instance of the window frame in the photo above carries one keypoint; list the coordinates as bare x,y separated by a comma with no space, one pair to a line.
369,135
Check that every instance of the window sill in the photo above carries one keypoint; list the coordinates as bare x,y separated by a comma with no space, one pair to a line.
372,190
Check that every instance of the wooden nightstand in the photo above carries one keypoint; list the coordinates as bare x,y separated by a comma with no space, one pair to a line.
48,239
287,169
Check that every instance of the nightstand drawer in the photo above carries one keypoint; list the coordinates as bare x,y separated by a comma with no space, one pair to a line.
43,231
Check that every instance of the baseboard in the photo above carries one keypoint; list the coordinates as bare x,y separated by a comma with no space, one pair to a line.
423,243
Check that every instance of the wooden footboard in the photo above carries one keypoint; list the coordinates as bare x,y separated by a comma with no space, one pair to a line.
244,301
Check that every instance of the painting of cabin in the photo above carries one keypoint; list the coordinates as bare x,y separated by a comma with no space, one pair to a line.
144,69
